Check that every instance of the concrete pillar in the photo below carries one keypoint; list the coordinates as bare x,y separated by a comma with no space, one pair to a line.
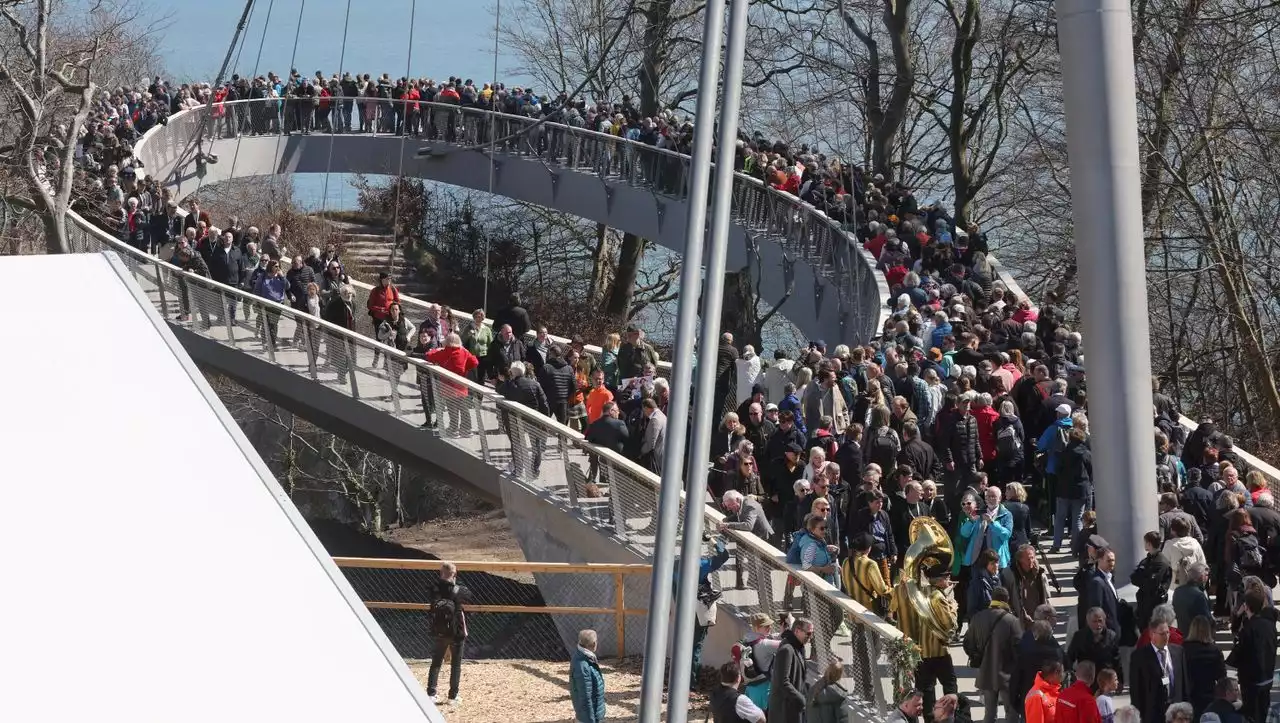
1095,41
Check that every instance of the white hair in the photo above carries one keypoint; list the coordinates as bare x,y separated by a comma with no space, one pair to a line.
731,496
1265,500
1128,714
315,252
587,639
516,370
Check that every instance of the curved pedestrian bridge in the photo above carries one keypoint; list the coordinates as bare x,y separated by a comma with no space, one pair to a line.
372,394
836,293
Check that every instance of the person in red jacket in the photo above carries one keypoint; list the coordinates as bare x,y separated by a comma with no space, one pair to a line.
454,358
1042,702
381,297
986,416
1076,703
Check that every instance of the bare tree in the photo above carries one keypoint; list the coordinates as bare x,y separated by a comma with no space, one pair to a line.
50,67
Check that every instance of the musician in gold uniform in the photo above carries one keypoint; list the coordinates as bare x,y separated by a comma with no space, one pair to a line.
925,607
863,581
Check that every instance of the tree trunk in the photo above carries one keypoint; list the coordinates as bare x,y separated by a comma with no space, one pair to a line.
896,22
739,314
653,65
630,256
601,266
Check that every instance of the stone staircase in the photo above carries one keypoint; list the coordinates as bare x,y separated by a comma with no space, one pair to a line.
368,252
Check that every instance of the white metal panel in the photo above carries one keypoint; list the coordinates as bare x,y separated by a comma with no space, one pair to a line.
150,572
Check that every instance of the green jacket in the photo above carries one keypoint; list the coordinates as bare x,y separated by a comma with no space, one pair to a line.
477,341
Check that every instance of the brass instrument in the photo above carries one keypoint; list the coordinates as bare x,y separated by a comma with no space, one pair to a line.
930,548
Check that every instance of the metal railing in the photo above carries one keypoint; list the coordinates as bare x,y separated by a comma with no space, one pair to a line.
508,614
804,232
529,449
1272,474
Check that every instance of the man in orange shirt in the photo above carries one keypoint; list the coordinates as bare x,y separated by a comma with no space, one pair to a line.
597,397
1076,704
1042,701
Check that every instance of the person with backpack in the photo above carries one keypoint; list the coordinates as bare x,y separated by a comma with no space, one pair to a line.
880,442
755,653
1010,436
449,628
1244,555
1171,475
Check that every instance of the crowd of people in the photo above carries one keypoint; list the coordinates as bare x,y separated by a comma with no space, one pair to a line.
970,409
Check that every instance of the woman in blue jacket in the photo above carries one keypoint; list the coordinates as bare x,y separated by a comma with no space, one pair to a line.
586,682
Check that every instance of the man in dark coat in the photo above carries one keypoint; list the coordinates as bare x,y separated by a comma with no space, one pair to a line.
992,643
726,379
918,455
1100,590
1158,674
515,316
522,390
787,691
1254,655
1027,583
558,381
227,265
1152,577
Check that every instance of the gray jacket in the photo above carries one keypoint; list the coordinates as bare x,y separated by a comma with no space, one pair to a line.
750,517
655,440
993,636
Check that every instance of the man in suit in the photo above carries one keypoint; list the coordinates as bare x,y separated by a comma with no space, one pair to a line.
1101,592
1158,674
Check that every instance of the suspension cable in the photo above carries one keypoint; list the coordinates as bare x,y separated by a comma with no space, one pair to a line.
293,58
493,137
257,62
404,136
334,110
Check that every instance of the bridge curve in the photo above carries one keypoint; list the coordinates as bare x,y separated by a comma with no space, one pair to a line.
837,294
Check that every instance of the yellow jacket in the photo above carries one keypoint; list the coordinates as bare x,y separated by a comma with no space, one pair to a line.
863,581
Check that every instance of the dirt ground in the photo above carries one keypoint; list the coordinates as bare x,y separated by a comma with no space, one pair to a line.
483,537
492,691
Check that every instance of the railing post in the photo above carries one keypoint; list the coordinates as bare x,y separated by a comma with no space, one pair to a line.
620,617
226,318
395,385
564,460
480,430
164,298
568,474
352,350
882,704
615,498
309,340
269,339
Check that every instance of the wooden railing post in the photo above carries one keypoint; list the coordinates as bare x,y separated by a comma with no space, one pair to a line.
620,617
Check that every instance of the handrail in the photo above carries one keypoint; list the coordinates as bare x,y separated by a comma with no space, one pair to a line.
396,563
1269,471
631,487
834,254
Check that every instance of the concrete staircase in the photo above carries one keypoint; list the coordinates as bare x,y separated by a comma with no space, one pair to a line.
368,252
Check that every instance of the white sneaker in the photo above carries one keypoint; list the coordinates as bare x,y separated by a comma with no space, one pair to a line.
454,702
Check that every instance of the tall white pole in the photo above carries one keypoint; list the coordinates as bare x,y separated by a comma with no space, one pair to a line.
708,341
1095,39
664,547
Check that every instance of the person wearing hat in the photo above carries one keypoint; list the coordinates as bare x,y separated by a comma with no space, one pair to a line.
933,638
1052,443
783,473
871,519
771,414
755,654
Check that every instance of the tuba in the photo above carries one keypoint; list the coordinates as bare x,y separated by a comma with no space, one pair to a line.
930,547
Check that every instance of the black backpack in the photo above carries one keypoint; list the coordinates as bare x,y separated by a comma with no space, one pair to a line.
884,446
1250,557
444,614
1008,443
